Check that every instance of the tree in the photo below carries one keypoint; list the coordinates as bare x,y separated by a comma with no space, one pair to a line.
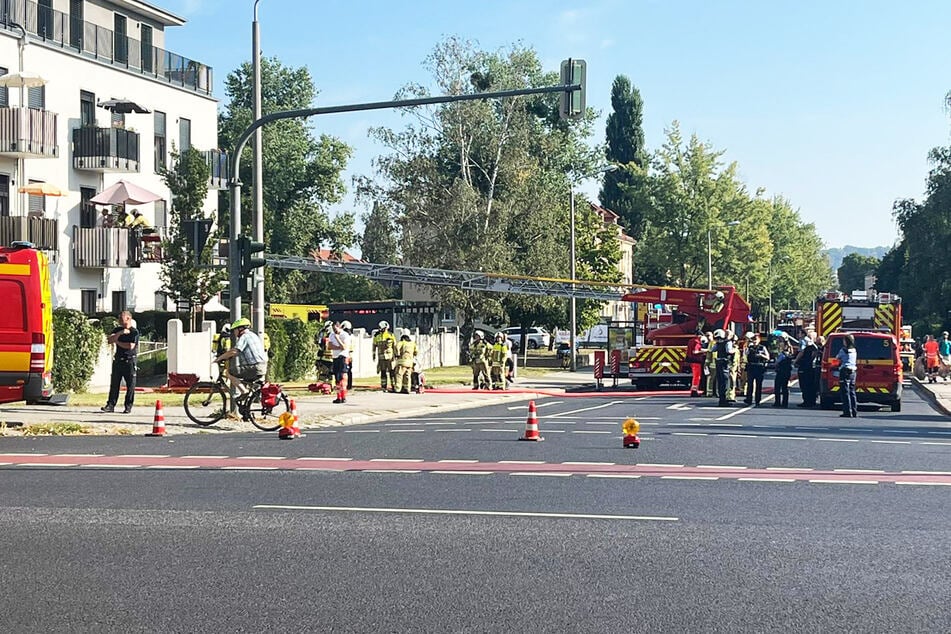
380,241
854,268
185,274
625,146
301,172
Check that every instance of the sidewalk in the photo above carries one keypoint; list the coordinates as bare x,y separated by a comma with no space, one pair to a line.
315,411
937,393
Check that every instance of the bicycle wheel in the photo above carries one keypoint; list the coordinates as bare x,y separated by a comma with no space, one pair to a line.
267,418
206,403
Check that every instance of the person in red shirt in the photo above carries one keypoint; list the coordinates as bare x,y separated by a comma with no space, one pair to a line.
931,358
695,357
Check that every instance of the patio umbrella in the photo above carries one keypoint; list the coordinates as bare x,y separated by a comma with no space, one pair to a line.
123,106
41,189
21,80
124,192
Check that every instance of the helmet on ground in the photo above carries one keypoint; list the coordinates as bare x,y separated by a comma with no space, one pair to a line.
383,324
244,322
346,325
719,334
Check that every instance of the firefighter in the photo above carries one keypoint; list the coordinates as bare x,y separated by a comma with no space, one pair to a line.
723,353
710,390
742,377
325,356
479,355
497,360
405,357
734,368
756,356
695,358
384,353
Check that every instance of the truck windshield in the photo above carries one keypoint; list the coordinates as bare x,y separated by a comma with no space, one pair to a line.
872,349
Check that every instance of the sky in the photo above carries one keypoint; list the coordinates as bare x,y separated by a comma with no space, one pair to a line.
832,104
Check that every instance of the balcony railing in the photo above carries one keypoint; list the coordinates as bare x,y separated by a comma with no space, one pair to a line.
42,232
217,161
28,133
98,248
102,44
105,149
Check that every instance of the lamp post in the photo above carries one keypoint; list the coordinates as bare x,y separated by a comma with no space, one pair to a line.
257,212
573,333
732,223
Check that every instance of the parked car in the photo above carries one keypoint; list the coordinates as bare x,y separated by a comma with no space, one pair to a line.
537,337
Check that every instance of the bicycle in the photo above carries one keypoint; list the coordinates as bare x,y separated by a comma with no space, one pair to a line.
207,402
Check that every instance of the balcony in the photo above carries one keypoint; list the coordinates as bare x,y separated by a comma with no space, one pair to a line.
28,133
105,149
103,45
99,248
42,232
217,161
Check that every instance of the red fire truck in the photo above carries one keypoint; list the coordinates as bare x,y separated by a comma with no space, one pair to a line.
663,358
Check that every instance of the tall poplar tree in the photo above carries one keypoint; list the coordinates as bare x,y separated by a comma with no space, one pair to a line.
625,146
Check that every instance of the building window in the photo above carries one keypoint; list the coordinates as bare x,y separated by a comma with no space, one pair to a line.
88,300
147,50
44,19
87,210
76,24
159,122
118,301
4,195
449,314
36,97
87,109
184,134
37,204
120,41
4,94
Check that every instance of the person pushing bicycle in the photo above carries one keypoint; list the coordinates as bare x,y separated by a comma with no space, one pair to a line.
250,353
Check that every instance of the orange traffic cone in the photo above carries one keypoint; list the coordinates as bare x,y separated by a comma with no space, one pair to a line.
531,424
289,428
158,423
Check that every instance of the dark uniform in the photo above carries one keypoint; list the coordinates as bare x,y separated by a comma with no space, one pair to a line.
756,357
123,368
723,353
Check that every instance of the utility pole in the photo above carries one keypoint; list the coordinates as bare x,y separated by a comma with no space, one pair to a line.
257,232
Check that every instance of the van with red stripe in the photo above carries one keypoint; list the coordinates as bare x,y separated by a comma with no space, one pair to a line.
26,325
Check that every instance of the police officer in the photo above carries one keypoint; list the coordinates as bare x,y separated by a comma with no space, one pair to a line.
125,337
479,356
756,357
384,353
723,353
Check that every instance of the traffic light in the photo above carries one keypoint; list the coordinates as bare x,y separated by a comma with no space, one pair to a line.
246,251
573,71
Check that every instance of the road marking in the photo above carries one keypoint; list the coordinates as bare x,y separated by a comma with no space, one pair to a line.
390,471
926,472
357,509
326,459
462,429
844,481
599,423
857,471
837,439
112,466
463,472
585,409
593,464
327,469
46,464
182,466
508,431
680,407
766,480
718,466
521,462
584,431
369,431
615,476
735,413
942,444
649,464
738,435
407,431
142,455
554,474
43,454
686,433
198,457
261,458
250,468
396,460
459,461
892,442
788,469
669,477
788,437
927,484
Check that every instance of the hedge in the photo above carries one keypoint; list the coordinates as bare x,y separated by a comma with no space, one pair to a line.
278,351
293,353
76,345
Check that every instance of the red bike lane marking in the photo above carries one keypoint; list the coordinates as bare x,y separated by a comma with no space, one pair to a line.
332,464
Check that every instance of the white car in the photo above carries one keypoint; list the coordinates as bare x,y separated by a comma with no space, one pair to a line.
537,337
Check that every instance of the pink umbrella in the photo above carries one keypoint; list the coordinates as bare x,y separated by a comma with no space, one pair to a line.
124,192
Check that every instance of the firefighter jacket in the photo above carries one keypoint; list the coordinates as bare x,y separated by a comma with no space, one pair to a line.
498,354
406,354
384,345
479,352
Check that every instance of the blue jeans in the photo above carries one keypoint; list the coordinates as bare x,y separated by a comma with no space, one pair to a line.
847,387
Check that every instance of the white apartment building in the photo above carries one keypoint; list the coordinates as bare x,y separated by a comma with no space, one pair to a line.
74,56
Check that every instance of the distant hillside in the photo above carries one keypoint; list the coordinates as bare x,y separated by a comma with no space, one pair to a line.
837,255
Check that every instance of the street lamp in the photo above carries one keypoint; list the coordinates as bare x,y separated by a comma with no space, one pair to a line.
573,333
257,214
732,223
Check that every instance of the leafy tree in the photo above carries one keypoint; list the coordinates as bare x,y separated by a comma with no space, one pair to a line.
625,146
380,241
854,268
185,274
301,172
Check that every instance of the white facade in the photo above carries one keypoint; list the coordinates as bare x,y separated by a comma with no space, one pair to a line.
81,70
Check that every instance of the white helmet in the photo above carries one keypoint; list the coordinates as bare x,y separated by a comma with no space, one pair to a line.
346,325
719,334
479,334
383,324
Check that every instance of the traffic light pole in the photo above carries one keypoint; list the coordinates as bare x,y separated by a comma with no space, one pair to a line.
234,263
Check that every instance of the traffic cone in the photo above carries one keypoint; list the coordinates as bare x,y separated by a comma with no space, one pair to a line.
531,424
158,422
631,427
289,429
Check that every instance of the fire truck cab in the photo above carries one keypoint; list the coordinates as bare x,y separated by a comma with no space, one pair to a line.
874,320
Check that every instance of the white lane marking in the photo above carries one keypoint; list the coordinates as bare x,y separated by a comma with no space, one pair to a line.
389,471
328,469
738,435
857,471
837,439
459,461
788,437
670,477
927,484
766,479
358,509
788,469
521,462
365,431
396,460
943,444
594,464
183,466
447,430
406,431
657,464
735,413
107,466
261,458
141,455
642,398
250,468
45,464
43,454
844,481
940,433
463,472
326,459
615,476
718,466
686,433
207,457
67,455
552,474
926,472
892,442
555,431
585,409
590,432
508,431
600,423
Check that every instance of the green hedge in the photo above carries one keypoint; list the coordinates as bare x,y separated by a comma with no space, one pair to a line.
278,351
76,345
293,349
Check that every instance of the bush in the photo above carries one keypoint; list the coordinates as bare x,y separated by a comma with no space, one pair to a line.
301,350
76,345
279,342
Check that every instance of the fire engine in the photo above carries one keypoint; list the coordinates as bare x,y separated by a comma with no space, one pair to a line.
663,358
874,321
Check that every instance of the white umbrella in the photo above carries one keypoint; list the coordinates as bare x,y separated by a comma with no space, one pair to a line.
21,80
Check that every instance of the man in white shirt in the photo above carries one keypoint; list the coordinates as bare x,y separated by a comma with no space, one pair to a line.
339,343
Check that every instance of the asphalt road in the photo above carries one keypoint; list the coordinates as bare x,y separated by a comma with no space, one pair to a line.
753,519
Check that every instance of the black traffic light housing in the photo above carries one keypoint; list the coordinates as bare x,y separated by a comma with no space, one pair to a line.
246,251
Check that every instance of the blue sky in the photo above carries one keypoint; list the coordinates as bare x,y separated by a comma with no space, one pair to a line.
833,104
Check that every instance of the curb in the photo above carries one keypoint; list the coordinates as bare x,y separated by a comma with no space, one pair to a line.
930,396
